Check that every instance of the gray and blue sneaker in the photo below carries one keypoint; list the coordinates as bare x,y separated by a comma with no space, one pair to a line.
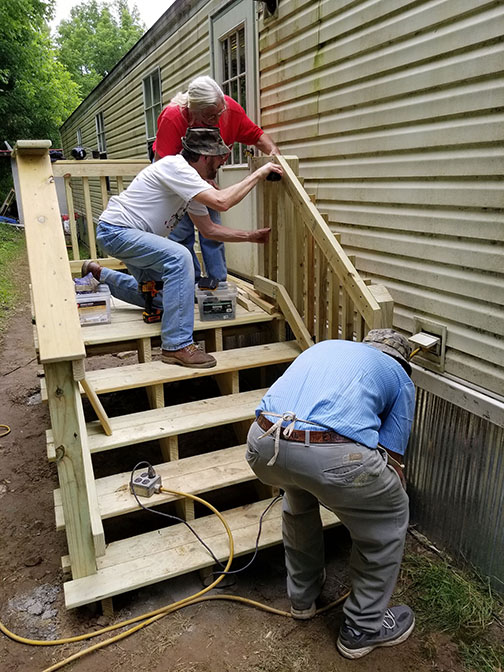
397,626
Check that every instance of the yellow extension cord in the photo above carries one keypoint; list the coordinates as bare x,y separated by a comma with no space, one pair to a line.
157,614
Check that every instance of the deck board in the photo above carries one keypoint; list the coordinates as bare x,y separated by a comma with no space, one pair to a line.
169,552
196,474
127,324
137,428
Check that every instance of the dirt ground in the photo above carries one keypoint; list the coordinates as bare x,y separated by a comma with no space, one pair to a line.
216,636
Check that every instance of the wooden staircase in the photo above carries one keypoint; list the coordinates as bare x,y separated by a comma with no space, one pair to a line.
307,281
171,551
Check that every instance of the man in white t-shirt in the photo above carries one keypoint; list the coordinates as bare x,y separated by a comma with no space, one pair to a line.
135,225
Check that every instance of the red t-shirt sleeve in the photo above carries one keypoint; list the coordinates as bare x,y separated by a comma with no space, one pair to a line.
235,126
171,129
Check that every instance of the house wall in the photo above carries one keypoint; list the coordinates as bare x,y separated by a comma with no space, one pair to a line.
395,110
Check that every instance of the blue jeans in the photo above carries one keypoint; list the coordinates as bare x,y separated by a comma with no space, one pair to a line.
148,256
212,250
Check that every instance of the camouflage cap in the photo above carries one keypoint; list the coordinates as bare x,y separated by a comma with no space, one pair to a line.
205,140
391,343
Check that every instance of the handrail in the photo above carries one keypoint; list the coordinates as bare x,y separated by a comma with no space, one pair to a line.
77,174
56,316
306,257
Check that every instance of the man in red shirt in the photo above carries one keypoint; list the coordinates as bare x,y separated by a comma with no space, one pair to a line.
204,104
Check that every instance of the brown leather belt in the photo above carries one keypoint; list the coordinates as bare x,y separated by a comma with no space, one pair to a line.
299,435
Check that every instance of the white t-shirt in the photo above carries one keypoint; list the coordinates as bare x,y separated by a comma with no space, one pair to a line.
158,197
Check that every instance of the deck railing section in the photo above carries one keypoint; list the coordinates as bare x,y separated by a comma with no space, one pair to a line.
88,187
305,257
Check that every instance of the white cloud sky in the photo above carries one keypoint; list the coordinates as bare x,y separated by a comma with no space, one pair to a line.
150,10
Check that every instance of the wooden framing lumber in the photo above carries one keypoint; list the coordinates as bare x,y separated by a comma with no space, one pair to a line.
80,375
156,373
324,238
169,552
386,302
84,529
99,168
57,320
159,423
279,293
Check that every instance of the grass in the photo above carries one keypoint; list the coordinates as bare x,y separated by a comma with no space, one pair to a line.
460,604
12,246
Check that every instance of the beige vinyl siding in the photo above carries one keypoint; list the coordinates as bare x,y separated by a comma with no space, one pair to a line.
395,109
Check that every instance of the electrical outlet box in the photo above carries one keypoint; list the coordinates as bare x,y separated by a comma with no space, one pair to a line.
145,485
434,359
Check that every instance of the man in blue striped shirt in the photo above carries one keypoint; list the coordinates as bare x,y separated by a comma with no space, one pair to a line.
333,429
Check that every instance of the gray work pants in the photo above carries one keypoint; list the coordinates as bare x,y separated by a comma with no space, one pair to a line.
365,493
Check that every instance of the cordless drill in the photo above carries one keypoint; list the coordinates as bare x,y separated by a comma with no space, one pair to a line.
149,290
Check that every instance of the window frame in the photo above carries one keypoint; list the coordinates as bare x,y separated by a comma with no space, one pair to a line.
152,110
100,134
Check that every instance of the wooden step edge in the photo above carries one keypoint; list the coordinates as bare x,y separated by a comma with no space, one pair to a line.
195,475
162,554
154,424
155,373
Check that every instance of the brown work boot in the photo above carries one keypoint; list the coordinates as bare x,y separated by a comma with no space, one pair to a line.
190,356
92,267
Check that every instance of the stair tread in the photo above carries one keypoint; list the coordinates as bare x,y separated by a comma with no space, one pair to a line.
169,421
153,373
154,556
194,475
127,324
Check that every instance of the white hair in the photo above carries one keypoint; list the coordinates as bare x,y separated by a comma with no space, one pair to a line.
201,92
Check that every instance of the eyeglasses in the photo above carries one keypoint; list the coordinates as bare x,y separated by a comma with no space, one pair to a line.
211,118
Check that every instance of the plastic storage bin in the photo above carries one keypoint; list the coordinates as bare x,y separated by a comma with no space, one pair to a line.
94,307
217,304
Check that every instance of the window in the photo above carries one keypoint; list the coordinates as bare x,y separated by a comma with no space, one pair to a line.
152,104
79,137
233,77
100,135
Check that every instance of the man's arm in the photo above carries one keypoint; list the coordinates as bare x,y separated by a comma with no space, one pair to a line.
226,235
266,145
223,199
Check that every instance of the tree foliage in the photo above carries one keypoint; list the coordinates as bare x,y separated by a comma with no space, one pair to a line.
95,38
36,92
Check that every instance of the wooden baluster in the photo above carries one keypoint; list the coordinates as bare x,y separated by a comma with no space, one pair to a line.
309,280
71,218
89,218
104,191
347,312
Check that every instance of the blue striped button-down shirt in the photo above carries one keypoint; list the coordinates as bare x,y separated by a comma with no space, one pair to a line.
351,388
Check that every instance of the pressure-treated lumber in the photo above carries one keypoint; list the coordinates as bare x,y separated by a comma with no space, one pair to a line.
155,373
84,530
386,302
159,423
98,168
332,250
57,320
155,556
279,293
127,324
88,389
195,475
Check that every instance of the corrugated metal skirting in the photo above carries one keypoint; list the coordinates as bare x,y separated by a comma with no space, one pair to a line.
456,483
